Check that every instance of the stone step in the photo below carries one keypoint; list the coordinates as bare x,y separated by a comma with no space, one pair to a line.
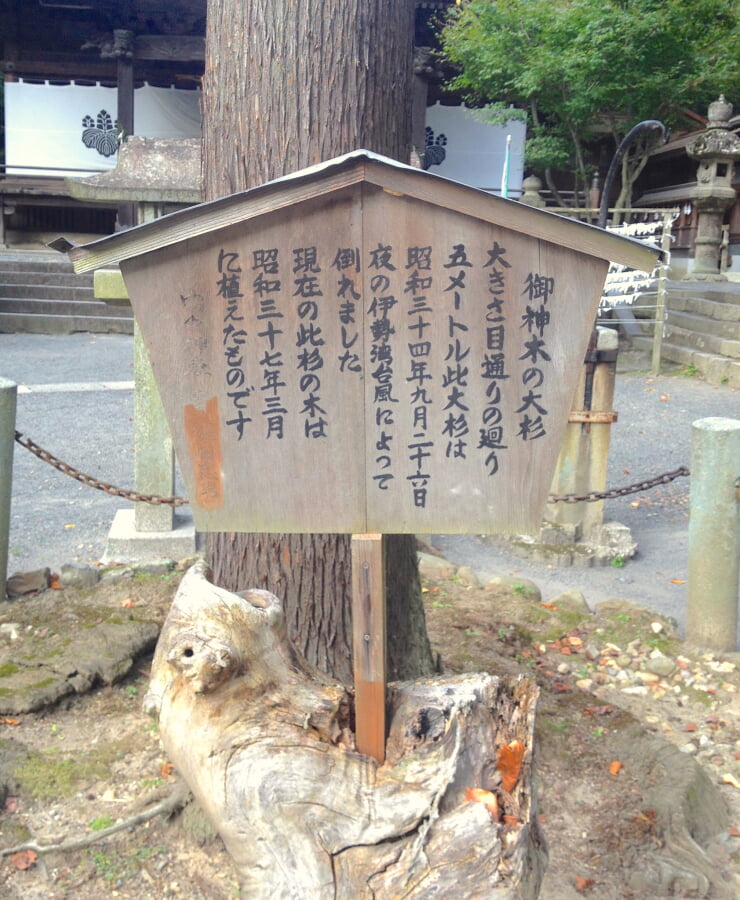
46,291
33,261
19,323
46,277
728,330
705,343
36,307
721,311
719,291
712,368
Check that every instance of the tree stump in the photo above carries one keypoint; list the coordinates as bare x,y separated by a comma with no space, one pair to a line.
266,745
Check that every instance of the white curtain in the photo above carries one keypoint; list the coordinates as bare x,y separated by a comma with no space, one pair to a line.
45,124
475,150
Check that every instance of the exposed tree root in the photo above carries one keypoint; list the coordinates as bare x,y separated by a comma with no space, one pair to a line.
171,804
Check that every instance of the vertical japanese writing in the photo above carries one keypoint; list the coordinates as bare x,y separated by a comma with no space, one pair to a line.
196,341
267,289
309,340
455,376
537,289
347,262
234,338
493,365
418,284
381,358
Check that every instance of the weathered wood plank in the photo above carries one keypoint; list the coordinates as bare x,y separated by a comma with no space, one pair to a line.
369,643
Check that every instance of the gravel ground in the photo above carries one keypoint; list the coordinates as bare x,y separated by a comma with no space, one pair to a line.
76,400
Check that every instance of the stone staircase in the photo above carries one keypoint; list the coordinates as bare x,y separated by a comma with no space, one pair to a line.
702,330
40,294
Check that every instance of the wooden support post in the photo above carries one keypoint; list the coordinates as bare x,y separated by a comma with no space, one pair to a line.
369,643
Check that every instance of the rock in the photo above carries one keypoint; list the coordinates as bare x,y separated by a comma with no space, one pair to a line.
467,577
88,646
22,583
435,567
516,585
573,601
77,576
660,665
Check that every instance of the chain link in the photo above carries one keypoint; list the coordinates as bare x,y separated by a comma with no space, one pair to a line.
612,494
88,480
155,500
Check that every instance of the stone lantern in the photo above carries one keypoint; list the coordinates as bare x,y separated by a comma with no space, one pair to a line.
716,149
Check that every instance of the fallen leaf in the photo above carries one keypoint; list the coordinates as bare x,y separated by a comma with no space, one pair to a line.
70,525
583,884
733,832
615,767
597,710
678,581
664,398
575,642
54,582
128,603
548,605
11,804
6,721
24,859
166,769
727,778
560,687
509,764
478,795
690,726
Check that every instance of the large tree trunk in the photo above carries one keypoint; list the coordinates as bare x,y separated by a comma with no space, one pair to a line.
266,745
290,83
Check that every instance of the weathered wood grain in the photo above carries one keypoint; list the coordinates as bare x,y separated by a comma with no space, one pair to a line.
267,747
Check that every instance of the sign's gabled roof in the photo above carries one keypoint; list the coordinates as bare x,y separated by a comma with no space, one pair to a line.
352,168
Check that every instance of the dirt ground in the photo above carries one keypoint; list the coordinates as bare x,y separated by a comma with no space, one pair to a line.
93,760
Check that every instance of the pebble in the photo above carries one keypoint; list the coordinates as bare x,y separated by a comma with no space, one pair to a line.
660,665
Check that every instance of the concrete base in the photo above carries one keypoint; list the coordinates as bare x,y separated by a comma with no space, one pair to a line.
126,545
563,546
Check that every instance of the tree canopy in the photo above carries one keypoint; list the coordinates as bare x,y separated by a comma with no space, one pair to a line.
586,70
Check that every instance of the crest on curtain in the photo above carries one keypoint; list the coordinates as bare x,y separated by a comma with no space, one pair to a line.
101,133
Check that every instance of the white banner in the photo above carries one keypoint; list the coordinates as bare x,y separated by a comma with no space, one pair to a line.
70,129
474,152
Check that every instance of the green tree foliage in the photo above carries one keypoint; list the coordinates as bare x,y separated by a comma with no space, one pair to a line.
586,69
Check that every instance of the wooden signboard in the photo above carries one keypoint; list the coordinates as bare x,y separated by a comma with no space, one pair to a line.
365,347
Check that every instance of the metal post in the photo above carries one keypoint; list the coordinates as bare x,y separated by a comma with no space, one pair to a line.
8,396
714,534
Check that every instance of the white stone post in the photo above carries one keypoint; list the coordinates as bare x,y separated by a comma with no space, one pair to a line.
8,397
714,534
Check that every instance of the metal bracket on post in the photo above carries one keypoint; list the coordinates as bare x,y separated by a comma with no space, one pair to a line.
369,643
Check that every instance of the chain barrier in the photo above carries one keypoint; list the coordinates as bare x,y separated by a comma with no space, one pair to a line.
155,500
612,494
111,489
